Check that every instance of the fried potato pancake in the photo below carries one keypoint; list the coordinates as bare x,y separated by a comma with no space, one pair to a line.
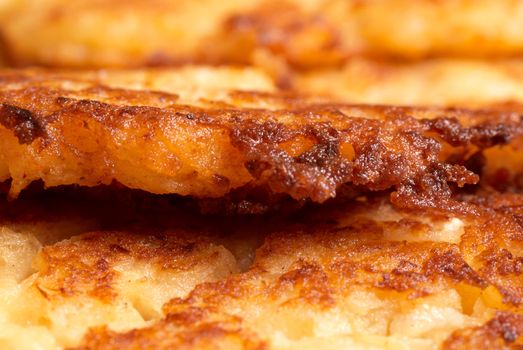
320,33
303,34
361,275
116,33
434,82
79,129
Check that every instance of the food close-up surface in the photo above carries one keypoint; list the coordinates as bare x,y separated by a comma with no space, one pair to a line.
319,174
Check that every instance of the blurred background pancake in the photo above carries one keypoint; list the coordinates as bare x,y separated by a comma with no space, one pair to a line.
305,34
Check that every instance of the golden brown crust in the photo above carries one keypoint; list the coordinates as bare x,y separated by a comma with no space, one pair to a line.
76,131
494,245
105,278
86,264
308,271
186,330
352,273
502,332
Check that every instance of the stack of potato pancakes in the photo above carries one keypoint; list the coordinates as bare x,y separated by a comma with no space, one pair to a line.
262,174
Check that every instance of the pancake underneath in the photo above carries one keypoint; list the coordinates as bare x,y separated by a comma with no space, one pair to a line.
149,273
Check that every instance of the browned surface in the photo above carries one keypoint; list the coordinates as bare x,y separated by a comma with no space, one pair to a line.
75,131
193,329
156,274
502,332
363,264
420,259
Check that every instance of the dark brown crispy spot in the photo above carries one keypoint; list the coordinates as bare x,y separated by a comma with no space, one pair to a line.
485,135
500,266
315,173
221,180
450,263
312,283
22,122
443,262
502,332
